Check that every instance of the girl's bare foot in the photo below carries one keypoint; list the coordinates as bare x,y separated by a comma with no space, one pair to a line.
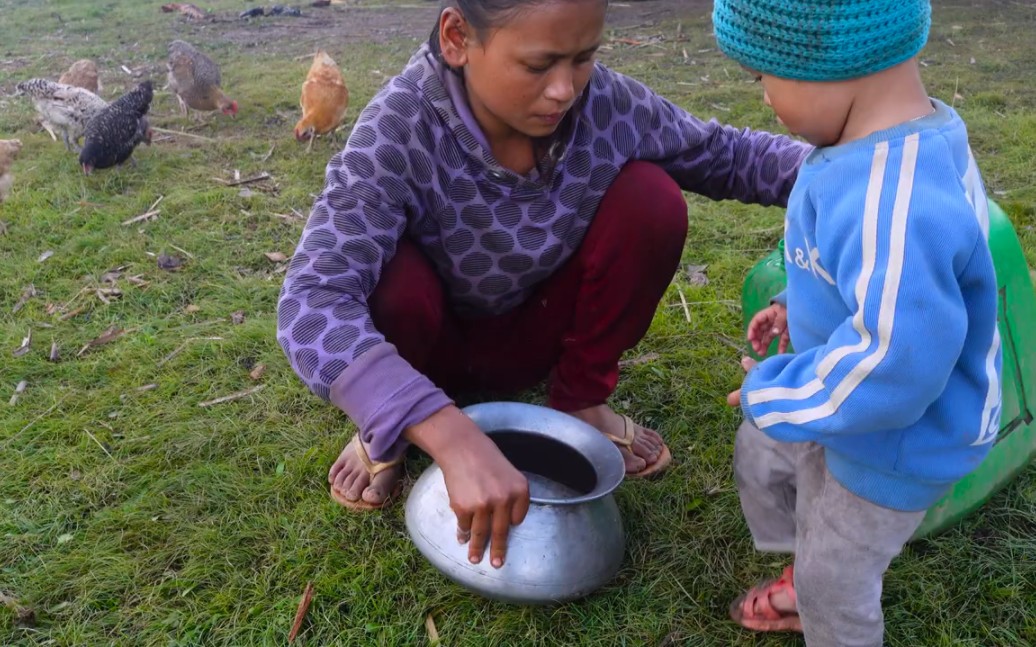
352,483
647,444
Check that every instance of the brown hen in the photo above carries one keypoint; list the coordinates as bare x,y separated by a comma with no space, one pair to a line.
324,100
9,149
196,80
82,74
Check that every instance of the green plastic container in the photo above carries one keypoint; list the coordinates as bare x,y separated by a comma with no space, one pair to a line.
764,281
1015,447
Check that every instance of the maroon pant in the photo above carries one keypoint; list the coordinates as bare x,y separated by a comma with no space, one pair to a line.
576,324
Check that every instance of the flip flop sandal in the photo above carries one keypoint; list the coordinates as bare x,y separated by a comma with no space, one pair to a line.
372,468
629,434
754,611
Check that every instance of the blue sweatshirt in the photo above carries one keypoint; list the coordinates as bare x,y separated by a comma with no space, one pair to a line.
892,310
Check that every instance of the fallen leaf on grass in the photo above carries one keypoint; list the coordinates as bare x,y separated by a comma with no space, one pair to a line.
24,616
696,274
108,336
45,255
107,294
18,390
237,318
257,372
113,275
276,257
75,475
246,193
28,293
53,352
191,309
300,613
65,538
26,344
169,263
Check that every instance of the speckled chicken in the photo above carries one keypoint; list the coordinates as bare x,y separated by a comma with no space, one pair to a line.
9,149
112,135
196,80
325,99
63,108
82,74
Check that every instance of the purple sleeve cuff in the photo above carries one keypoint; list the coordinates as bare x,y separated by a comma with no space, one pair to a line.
383,394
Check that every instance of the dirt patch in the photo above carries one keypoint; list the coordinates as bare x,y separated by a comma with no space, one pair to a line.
381,24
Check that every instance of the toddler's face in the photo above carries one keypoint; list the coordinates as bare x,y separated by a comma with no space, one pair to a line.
815,111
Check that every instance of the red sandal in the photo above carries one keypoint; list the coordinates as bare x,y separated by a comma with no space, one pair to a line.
754,611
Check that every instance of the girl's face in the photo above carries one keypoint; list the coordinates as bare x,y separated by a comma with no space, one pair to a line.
524,75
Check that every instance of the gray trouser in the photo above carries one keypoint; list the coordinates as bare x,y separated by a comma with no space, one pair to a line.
842,544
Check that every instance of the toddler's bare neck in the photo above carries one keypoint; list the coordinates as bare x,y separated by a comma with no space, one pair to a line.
886,99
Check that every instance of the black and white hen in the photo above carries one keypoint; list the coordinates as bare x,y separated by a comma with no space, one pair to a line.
112,135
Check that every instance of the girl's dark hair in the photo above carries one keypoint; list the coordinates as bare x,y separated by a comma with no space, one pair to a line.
482,15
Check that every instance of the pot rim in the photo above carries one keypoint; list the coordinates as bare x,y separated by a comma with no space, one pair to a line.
602,454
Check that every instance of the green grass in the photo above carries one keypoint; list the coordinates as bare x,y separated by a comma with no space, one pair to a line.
139,518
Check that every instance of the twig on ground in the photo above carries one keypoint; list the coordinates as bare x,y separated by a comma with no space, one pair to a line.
433,632
726,302
147,215
73,299
266,157
72,313
727,341
103,448
106,337
33,421
179,349
683,302
248,180
643,359
300,614
182,134
183,251
233,396
139,389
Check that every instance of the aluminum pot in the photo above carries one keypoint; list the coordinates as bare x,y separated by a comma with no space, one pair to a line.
571,541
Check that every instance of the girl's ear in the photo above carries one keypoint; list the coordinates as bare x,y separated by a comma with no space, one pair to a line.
454,37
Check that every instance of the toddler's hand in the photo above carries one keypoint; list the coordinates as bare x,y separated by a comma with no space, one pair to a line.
734,397
767,324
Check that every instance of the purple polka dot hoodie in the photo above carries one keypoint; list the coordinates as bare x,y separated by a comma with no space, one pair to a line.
417,166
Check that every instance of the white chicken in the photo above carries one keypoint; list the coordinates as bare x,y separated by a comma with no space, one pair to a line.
64,108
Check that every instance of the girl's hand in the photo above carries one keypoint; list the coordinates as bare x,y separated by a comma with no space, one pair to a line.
767,324
487,493
734,397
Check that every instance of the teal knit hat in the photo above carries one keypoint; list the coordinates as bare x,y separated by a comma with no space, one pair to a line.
821,40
